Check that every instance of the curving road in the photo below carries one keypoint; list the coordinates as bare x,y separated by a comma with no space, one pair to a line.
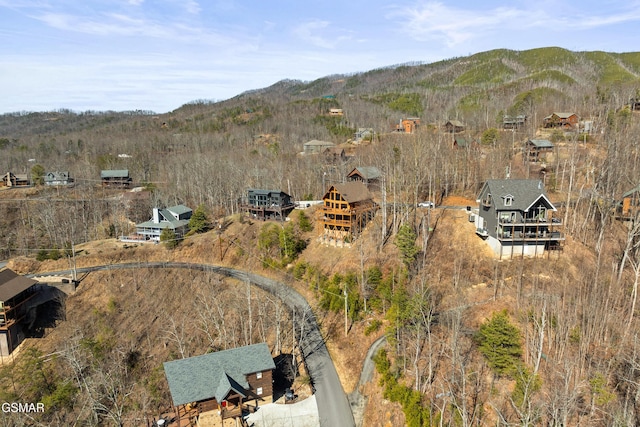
357,399
333,406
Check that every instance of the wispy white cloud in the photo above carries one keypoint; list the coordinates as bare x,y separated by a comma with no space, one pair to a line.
315,32
434,20
105,24
453,26
192,7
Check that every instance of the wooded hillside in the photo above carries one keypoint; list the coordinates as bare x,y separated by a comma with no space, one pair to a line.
471,340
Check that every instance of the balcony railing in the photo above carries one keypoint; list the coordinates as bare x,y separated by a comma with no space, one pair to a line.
531,236
531,221
337,222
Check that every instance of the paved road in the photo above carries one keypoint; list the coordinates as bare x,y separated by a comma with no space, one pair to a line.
333,406
357,399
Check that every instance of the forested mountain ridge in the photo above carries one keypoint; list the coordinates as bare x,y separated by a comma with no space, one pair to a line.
570,353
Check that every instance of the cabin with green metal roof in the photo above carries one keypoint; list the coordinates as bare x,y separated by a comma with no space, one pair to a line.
221,385
538,148
116,178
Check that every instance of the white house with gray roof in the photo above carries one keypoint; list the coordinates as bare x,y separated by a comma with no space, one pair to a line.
515,217
175,218
56,178
221,384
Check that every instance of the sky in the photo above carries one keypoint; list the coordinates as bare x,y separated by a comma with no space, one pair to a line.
157,55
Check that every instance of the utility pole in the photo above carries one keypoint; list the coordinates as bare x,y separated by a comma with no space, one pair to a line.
72,262
220,240
346,318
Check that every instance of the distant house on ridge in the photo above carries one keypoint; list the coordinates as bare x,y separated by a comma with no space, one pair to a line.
561,120
368,175
315,146
55,179
117,178
537,147
454,126
11,179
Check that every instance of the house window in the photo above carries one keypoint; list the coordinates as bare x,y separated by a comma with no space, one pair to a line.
505,216
508,200
259,375
542,213
259,391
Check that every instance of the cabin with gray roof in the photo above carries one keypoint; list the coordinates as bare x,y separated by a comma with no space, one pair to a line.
514,122
368,175
220,385
267,204
363,134
175,218
116,178
316,147
515,217
454,126
537,148
15,293
58,179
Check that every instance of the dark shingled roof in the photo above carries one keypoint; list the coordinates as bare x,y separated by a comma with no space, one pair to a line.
214,375
12,284
525,192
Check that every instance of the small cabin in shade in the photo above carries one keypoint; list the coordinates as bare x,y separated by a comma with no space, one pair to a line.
15,293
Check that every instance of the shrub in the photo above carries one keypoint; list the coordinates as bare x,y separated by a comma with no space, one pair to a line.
42,255
304,223
500,343
169,238
372,327
490,136
198,222
406,243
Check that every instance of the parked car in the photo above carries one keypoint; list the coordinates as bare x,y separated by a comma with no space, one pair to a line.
426,204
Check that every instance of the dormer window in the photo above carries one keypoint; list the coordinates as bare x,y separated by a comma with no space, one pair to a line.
508,200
